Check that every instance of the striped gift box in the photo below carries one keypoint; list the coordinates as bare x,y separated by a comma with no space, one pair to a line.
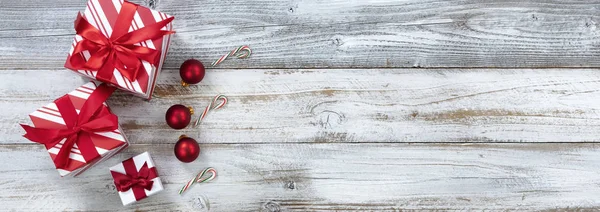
136,162
107,143
102,14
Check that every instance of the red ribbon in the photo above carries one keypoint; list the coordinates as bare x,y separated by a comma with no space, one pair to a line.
138,181
92,118
118,51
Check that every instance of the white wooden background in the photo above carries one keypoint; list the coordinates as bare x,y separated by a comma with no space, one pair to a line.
364,105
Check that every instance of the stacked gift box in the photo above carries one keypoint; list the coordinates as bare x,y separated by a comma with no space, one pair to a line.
118,45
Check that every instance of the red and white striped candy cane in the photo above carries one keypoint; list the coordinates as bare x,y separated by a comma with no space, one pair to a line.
240,52
213,105
199,178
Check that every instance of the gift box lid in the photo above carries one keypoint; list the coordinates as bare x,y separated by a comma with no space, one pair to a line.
102,15
105,143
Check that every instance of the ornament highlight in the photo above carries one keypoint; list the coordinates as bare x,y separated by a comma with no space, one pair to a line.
191,72
179,116
186,149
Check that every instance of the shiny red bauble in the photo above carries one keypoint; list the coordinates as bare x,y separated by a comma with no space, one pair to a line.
178,116
191,72
186,149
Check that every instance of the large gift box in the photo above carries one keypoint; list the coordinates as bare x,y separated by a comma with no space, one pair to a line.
136,178
78,129
120,43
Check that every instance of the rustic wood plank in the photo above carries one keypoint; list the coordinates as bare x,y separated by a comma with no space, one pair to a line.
343,105
335,33
309,177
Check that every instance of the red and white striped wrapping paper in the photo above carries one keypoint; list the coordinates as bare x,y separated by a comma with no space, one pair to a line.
107,143
102,14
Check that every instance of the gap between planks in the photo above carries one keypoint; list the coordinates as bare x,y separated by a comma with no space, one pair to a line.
340,69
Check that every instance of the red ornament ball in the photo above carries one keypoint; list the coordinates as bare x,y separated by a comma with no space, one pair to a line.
178,116
186,149
191,72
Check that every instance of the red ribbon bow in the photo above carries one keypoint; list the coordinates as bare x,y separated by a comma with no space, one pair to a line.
92,118
118,51
137,180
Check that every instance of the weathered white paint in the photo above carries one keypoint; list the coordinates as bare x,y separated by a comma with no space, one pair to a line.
307,177
345,105
298,136
335,33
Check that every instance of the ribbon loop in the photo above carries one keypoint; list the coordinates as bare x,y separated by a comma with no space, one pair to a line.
141,179
136,180
91,119
118,51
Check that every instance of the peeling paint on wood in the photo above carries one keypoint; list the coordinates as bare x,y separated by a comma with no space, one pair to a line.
342,176
345,105
335,33
367,105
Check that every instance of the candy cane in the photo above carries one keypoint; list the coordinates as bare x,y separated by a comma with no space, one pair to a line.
198,178
212,106
240,52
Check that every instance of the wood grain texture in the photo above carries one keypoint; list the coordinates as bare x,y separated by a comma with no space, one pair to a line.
317,177
335,33
343,105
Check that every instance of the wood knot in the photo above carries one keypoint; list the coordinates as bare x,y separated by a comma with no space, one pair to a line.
201,203
414,114
290,185
151,3
337,41
271,207
292,9
330,119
